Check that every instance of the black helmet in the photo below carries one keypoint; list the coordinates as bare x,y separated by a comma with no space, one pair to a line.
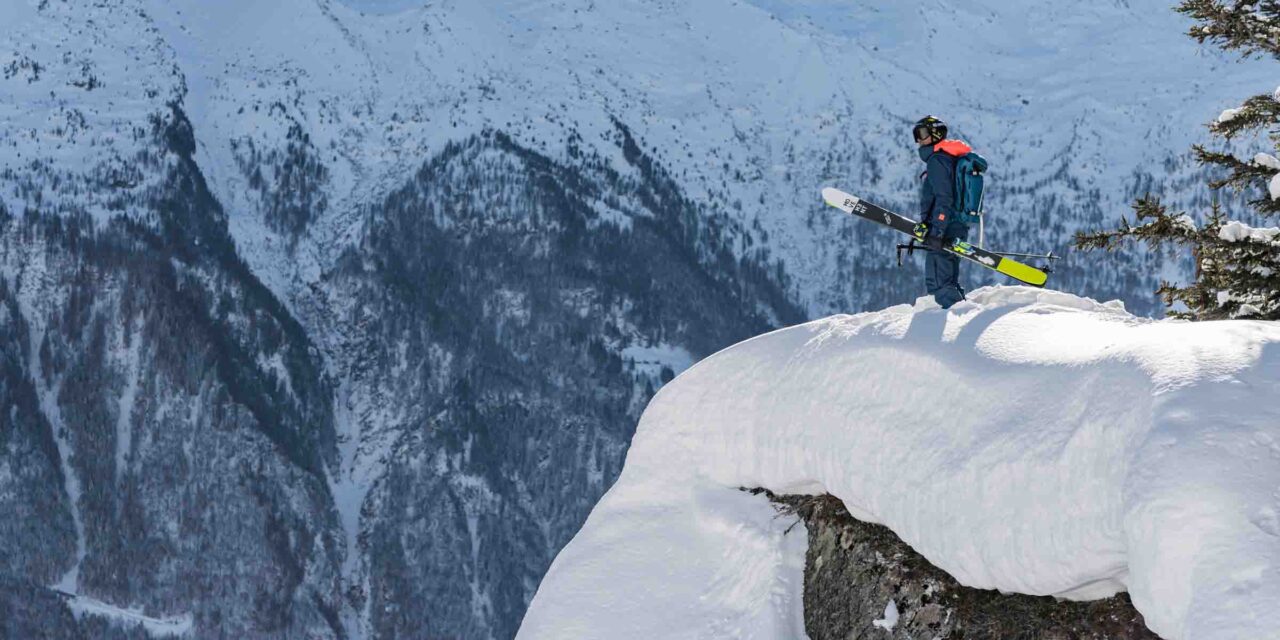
936,128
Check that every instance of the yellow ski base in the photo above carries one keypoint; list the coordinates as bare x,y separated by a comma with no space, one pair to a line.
1019,271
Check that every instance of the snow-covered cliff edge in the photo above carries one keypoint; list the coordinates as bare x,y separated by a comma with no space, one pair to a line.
1029,441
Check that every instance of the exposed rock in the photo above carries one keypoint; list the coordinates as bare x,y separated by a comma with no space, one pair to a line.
853,570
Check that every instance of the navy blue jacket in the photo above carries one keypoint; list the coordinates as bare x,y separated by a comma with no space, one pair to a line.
937,189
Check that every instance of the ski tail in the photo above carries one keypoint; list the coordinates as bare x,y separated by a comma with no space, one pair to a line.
1022,273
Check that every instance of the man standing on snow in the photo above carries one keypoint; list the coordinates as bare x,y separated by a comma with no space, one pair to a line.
939,223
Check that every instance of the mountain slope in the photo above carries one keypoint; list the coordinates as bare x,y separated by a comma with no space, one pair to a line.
499,370
1076,107
189,419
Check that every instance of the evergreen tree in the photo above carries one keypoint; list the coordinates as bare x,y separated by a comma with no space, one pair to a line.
1237,267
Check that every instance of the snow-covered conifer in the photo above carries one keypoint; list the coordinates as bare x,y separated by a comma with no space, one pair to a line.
1251,27
1237,266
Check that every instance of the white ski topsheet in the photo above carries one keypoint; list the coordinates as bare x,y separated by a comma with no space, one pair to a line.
1026,440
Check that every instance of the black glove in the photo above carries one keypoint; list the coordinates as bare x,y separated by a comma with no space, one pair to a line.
933,243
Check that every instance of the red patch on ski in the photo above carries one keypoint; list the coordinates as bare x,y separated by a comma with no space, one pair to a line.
955,148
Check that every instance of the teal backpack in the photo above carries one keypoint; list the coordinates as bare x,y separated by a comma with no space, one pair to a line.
969,170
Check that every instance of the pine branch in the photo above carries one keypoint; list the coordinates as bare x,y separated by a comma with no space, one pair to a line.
1242,176
1247,26
1105,240
1260,111
1159,228
1239,271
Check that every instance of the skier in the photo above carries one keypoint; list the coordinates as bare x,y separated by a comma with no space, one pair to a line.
939,222
951,201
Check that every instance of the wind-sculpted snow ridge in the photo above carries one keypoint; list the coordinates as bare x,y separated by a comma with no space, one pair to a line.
1029,441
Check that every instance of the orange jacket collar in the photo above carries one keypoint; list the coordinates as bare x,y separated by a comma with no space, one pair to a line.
955,148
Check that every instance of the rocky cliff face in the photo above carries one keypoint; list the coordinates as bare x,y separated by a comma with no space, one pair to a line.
862,581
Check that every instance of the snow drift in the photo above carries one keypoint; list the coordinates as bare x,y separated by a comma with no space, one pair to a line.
1027,441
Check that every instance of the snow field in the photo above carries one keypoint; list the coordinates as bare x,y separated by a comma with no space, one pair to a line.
1026,440
177,626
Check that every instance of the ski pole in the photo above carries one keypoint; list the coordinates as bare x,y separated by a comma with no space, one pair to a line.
911,250
1046,256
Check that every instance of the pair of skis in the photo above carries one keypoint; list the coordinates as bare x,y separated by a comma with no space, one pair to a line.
1002,263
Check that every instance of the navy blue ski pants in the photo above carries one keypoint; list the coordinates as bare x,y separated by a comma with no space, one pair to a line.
942,270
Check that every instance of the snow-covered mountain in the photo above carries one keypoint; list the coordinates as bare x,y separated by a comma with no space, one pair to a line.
432,259
1124,454
1078,107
